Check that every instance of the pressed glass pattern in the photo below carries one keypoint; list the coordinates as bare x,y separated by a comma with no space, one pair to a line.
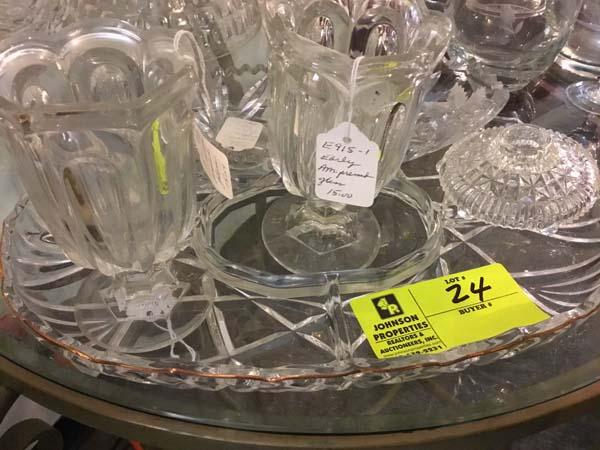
234,338
98,119
83,111
520,176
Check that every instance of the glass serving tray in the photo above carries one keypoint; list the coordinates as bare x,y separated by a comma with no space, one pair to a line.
244,340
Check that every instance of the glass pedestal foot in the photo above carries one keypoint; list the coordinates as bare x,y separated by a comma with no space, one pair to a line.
585,95
139,313
307,237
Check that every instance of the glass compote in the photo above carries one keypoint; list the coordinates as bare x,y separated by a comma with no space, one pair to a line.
98,119
318,84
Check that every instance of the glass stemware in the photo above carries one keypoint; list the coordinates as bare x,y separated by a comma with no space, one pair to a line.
318,85
98,119
511,40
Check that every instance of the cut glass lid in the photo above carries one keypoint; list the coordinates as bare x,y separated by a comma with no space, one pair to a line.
520,176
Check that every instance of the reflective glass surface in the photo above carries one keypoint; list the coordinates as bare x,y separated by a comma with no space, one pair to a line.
569,362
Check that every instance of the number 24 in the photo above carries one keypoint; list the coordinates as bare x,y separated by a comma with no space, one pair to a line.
474,290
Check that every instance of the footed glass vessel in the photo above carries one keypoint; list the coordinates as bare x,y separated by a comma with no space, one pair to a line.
513,40
98,119
348,78
521,177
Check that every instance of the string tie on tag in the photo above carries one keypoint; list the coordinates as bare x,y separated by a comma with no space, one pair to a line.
199,58
352,93
175,339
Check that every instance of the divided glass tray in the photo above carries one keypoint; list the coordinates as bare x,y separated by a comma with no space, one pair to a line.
224,337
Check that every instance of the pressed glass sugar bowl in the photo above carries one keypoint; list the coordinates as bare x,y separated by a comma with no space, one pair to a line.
317,84
521,177
98,119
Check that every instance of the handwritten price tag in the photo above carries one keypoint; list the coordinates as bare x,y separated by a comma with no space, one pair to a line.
239,134
214,163
436,315
346,164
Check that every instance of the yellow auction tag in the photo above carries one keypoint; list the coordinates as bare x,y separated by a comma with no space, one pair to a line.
436,315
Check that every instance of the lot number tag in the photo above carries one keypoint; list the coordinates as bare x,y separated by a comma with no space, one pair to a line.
436,315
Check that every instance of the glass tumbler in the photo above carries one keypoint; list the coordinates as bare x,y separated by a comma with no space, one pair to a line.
98,119
513,41
317,85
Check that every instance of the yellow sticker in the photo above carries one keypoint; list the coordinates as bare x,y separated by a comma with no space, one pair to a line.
405,95
436,315
160,162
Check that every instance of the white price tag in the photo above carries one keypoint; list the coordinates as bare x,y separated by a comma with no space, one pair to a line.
239,134
347,163
215,164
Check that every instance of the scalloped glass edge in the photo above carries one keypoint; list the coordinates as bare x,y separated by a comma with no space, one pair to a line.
360,372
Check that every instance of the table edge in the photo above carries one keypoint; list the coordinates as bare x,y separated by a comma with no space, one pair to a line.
159,430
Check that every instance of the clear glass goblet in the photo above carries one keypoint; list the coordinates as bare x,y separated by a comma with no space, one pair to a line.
514,41
98,120
318,84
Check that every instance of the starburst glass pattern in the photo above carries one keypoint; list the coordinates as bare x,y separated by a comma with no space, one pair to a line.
249,341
